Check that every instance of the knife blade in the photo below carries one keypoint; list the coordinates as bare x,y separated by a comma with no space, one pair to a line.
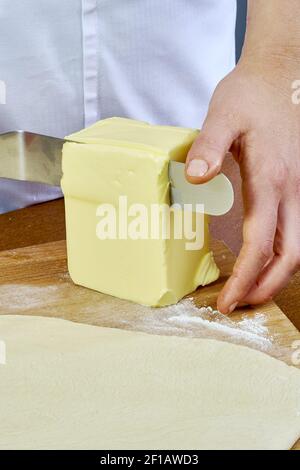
37,158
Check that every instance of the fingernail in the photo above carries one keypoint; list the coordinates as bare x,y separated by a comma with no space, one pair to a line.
232,307
197,168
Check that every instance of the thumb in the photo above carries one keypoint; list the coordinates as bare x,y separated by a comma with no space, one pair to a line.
206,156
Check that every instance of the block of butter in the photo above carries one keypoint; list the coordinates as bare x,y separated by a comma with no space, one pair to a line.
119,164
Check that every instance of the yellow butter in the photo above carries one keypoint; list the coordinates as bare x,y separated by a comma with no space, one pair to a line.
121,157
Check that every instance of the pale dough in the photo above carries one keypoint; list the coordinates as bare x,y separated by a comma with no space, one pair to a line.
73,386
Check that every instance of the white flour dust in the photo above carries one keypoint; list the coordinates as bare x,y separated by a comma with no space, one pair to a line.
249,330
65,300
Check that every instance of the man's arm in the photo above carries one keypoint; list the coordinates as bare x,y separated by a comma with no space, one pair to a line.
252,115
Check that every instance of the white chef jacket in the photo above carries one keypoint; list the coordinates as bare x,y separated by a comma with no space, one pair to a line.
65,64
68,63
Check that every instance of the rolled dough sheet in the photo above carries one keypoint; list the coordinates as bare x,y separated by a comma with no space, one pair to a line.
74,386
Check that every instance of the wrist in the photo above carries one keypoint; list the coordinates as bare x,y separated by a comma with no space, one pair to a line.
273,56
273,32
273,76
280,67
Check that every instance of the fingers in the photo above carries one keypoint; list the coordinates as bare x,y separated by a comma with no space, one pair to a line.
207,154
274,278
286,262
257,251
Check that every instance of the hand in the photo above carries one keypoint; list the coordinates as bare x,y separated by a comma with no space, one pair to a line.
252,116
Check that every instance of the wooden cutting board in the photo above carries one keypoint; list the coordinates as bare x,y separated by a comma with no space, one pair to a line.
34,281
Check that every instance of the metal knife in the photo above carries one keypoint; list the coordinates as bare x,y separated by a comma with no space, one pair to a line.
37,158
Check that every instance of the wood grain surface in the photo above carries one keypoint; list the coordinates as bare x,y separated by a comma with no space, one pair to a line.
34,281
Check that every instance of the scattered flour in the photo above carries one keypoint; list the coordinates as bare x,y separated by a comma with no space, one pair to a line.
15,298
250,330
65,300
